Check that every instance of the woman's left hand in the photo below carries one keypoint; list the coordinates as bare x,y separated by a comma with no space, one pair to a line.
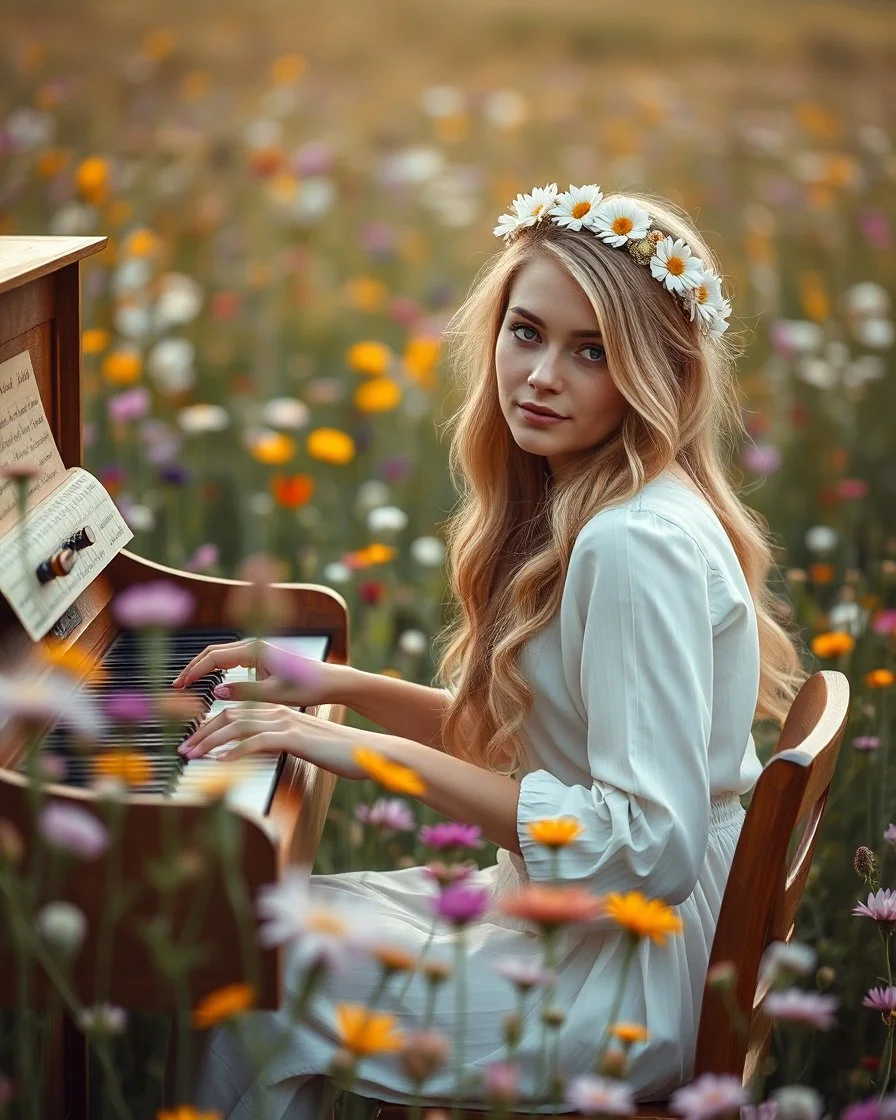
275,728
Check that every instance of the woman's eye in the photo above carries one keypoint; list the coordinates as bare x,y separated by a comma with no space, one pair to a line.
517,327
594,353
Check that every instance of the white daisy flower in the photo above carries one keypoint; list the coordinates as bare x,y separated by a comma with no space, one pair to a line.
618,220
576,207
706,301
674,264
527,210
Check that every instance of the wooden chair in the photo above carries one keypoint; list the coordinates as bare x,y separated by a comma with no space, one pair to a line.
764,886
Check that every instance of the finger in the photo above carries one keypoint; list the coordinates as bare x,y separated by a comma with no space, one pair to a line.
264,742
215,657
271,690
234,733
224,722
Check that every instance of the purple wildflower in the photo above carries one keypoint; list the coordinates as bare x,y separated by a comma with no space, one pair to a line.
395,468
129,707
880,906
74,829
708,1096
765,1110
451,834
793,1005
159,603
890,834
525,974
128,406
866,743
174,474
460,904
871,1109
391,814
881,999
761,458
884,622
292,667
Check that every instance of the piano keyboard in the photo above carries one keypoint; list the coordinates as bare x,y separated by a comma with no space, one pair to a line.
251,781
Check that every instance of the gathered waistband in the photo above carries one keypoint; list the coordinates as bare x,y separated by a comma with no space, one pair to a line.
724,809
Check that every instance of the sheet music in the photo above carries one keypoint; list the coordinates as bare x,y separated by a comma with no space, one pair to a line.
25,437
79,500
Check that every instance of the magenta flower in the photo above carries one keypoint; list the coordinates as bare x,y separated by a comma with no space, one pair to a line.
866,743
708,1096
880,906
871,1109
761,458
158,603
205,556
292,667
881,999
451,834
129,707
600,1096
502,1082
391,814
811,1009
884,622
459,904
74,829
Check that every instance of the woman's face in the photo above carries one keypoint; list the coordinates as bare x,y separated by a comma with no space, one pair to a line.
549,353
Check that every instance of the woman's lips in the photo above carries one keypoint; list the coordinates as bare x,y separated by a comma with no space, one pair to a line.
539,419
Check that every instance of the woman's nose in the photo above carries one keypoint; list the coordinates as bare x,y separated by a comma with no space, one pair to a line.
546,373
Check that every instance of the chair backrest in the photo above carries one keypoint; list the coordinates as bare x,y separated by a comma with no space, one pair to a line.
764,887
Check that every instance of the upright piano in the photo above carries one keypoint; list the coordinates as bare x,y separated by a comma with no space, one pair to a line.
276,811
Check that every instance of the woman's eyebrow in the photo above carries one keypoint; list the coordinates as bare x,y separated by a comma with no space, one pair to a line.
594,333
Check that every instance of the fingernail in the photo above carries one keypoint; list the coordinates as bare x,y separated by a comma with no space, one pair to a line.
184,747
222,691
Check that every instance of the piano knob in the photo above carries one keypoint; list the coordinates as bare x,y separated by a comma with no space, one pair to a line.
59,564
84,538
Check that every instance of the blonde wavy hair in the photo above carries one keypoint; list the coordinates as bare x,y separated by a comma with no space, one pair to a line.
510,537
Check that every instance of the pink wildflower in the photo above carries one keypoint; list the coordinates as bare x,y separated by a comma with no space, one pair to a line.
881,999
129,707
524,974
450,834
600,1096
866,743
74,829
205,556
812,1009
880,906
884,622
158,603
390,814
292,667
708,1096
890,835
502,1082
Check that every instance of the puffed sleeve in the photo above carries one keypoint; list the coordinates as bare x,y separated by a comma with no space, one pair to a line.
637,638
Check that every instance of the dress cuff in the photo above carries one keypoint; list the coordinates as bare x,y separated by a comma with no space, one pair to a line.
538,800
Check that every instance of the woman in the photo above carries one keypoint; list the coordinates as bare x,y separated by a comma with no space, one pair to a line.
615,641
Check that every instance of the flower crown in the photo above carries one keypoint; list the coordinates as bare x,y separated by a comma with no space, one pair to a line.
620,222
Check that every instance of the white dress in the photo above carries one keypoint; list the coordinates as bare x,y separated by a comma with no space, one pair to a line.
645,686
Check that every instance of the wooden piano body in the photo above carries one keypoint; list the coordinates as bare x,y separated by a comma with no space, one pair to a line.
40,312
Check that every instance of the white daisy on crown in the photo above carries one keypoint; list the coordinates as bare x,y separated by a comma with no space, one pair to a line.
623,224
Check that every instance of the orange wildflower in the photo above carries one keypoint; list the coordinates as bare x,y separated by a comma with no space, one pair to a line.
122,367
292,491
371,358
550,907
821,573
421,356
94,340
287,69
158,43
92,178
187,1112
391,775
834,643
364,1032
222,1004
130,767
643,917
141,243
273,449
555,833
366,293
629,1032
52,162
879,678
394,958
72,660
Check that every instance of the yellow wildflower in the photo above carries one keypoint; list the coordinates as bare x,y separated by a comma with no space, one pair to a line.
629,1032
122,367
643,917
371,358
366,293
381,394
141,243
834,643
130,767
273,449
879,678
421,356
555,833
330,446
396,778
222,1004
365,1032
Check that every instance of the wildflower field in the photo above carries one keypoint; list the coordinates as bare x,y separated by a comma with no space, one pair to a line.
296,204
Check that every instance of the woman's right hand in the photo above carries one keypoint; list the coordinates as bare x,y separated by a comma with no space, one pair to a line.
281,677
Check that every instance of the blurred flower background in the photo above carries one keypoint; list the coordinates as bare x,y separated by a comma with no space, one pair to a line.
297,199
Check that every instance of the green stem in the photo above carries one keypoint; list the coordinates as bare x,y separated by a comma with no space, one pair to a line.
617,1001
459,1012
